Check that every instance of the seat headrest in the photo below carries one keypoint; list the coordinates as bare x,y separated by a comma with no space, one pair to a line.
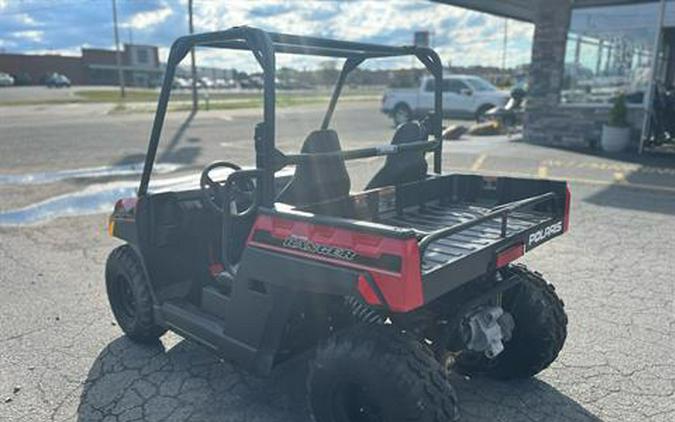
403,167
318,180
406,133
319,141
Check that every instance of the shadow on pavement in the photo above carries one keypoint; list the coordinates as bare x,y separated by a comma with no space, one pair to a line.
618,196
186,154
187,382
130,159
171,153
482,399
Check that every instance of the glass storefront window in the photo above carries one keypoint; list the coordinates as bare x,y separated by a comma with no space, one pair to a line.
609,51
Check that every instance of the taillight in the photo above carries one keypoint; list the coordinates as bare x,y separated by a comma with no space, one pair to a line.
511,254
566,217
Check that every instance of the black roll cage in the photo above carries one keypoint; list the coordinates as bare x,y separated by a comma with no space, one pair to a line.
264,46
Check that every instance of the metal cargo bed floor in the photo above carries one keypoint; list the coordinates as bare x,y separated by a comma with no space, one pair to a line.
451,248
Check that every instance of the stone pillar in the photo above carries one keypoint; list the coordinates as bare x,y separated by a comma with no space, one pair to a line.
552,19
548,51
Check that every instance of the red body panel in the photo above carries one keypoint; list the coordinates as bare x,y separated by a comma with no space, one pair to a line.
402,289
568,199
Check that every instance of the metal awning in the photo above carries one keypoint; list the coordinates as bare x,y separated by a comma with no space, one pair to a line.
524,10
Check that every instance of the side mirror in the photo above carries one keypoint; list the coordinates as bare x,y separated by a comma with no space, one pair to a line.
466,91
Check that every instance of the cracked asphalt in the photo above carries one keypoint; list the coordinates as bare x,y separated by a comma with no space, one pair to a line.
63,358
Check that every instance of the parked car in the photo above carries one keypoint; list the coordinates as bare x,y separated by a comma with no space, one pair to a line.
57,80
22,79
463,96
225,83
6,79
206,82
252,82
181,83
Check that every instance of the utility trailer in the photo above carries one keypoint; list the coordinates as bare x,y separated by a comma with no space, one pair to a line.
388,288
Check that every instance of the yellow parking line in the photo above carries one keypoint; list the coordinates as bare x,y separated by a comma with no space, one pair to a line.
542,172
611,166
479,162
584,181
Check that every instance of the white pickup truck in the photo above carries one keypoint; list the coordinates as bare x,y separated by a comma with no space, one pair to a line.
463,96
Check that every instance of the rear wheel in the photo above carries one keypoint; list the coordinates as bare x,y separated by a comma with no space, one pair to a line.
374,373
401,114
129,296
539,333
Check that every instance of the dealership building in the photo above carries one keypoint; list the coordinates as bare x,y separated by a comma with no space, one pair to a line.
584,53
94,66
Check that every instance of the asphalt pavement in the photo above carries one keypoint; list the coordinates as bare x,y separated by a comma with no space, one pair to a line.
38,93
63,358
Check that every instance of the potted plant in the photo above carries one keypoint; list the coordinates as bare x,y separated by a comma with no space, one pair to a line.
616,133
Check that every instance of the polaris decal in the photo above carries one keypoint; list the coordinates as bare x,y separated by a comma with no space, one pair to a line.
544,234
306,245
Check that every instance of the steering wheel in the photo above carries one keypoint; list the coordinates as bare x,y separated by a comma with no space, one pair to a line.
223,196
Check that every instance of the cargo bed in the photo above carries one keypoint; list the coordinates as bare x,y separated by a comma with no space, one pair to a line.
435,216
457,216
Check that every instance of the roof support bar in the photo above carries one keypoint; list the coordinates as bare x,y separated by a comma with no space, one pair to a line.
264,46
350,64
435,67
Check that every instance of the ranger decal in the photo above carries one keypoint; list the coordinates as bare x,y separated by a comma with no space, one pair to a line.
306,245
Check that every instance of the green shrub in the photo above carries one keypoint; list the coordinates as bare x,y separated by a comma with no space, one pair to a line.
618,113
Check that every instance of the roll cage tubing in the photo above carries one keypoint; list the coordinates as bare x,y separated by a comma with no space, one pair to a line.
264,46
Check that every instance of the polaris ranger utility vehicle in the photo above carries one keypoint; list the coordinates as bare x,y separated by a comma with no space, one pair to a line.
388,288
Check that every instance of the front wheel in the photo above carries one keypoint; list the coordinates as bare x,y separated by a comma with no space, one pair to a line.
539,334
374,373
129,296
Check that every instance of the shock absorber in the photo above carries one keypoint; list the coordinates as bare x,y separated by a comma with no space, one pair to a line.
362,312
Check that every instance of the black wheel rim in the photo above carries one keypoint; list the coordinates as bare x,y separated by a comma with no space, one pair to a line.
352,403
124,301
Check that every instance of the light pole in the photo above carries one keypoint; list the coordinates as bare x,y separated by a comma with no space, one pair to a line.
193,65
505,42
118,57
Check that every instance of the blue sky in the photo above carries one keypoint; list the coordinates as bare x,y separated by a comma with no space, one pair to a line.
64,26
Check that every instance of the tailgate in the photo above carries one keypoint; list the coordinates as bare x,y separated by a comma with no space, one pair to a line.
461,241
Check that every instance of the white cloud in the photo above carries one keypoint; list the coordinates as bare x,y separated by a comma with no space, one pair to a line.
7,44
71,51
462,36
144,20
25,19
34,36
459,35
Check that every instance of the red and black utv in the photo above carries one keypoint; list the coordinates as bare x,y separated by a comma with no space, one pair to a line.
389,288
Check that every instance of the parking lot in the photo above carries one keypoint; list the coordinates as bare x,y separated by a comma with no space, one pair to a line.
63,358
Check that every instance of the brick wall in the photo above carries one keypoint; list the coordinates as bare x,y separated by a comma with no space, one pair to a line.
99,56
39,66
